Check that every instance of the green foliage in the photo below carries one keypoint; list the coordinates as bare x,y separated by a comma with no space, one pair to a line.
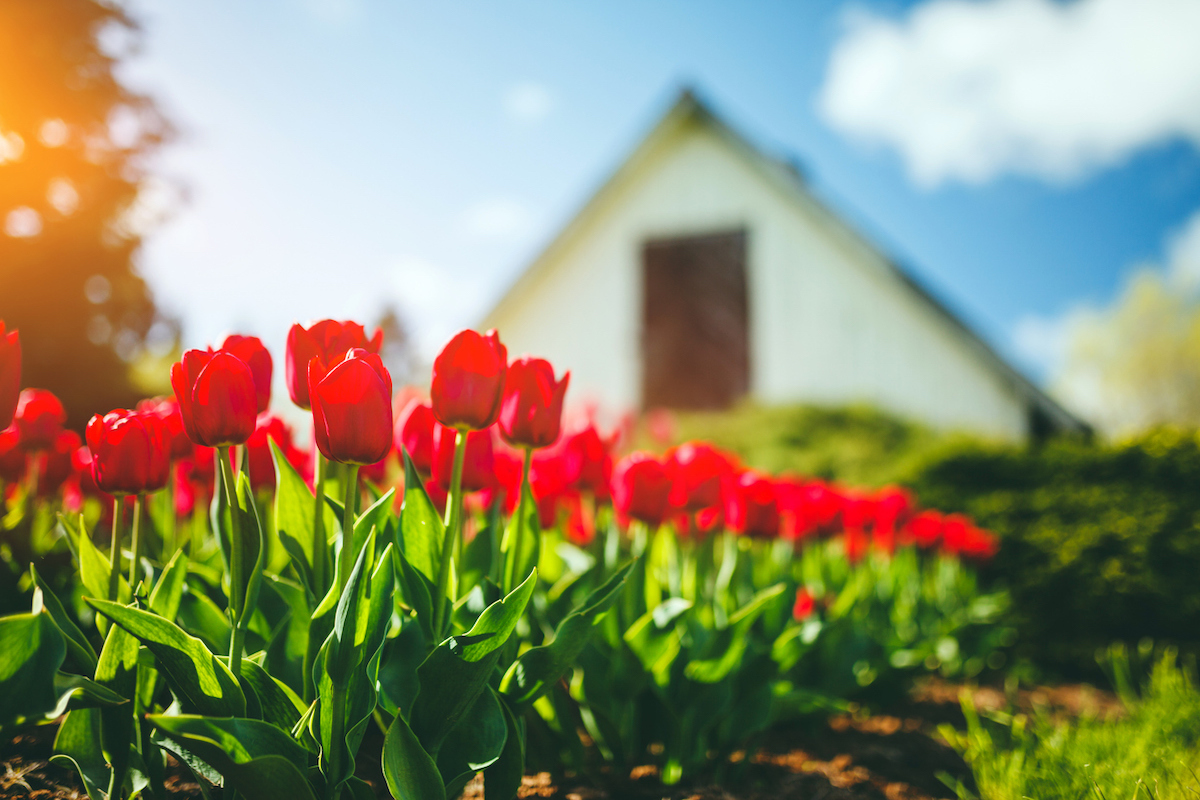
1098,542
856,444
1153,752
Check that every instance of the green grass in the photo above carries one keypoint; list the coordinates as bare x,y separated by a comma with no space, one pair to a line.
1152,753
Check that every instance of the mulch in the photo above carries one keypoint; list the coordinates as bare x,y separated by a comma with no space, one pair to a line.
896,755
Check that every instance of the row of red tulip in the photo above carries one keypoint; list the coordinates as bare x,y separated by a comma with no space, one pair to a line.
503,411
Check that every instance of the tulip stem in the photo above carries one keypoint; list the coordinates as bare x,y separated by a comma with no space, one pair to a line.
512,576
450,538
346,561
114,552
237,583
136,543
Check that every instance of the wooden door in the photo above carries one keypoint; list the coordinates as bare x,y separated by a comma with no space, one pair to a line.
695,322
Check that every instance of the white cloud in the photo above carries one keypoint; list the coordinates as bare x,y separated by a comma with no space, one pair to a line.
500,218
1183,253
967,91
528,102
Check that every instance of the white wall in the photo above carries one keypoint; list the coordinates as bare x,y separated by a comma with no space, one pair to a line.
830,322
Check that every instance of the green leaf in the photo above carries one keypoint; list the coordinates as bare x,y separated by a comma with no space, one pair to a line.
475,743
202,683
374,517
201,616
77,644
93,565
245,597
168,590
255,758
715,669
31,651
421,529
280,705
459,668
76,691
528,534
400,658
540,667
502,779
654,638
409,771
78,744
117,670
294,522
417,591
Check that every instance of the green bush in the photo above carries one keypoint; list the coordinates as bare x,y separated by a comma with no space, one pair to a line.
1098,542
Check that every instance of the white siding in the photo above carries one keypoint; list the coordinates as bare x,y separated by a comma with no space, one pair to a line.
830,322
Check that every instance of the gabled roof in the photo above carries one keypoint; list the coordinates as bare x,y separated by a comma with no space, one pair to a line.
785,176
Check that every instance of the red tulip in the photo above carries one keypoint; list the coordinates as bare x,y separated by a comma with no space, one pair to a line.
698,471
855,542
478,470
924,529
468,380
804,606
531,411
414,434
216,396
10,375
81,463
352,407
328,340
548,483
752,509
58,464
40,417
178,445
12,457
641,488
128,456
251,350
588,462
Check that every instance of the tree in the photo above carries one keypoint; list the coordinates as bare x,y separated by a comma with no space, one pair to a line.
74,144
1136,364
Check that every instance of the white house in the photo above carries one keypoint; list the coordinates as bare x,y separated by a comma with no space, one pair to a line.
704,271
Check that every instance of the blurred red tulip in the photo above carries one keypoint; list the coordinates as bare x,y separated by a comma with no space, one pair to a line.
178,445
376,473
128,456
923,529
414,434
468,380
587,459
640,488
217,398
12,456
328,340
270,428
855,542
531,411
352,407
752,509
58,464
10,375
40,417
697,471
804,606
548,483
251,350
478,462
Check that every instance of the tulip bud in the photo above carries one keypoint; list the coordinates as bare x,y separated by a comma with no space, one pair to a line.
40,417
328,340
640,488
468,381
128,454
258,450
10,375
531,411
217,397
250,349
175,438
12,457
804,606
414,434
352,407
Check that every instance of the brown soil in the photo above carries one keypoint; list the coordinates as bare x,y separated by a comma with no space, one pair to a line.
855,756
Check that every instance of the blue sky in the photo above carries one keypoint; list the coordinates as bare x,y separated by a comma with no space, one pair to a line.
340,155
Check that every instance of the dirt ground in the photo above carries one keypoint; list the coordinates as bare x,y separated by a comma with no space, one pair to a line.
883,756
